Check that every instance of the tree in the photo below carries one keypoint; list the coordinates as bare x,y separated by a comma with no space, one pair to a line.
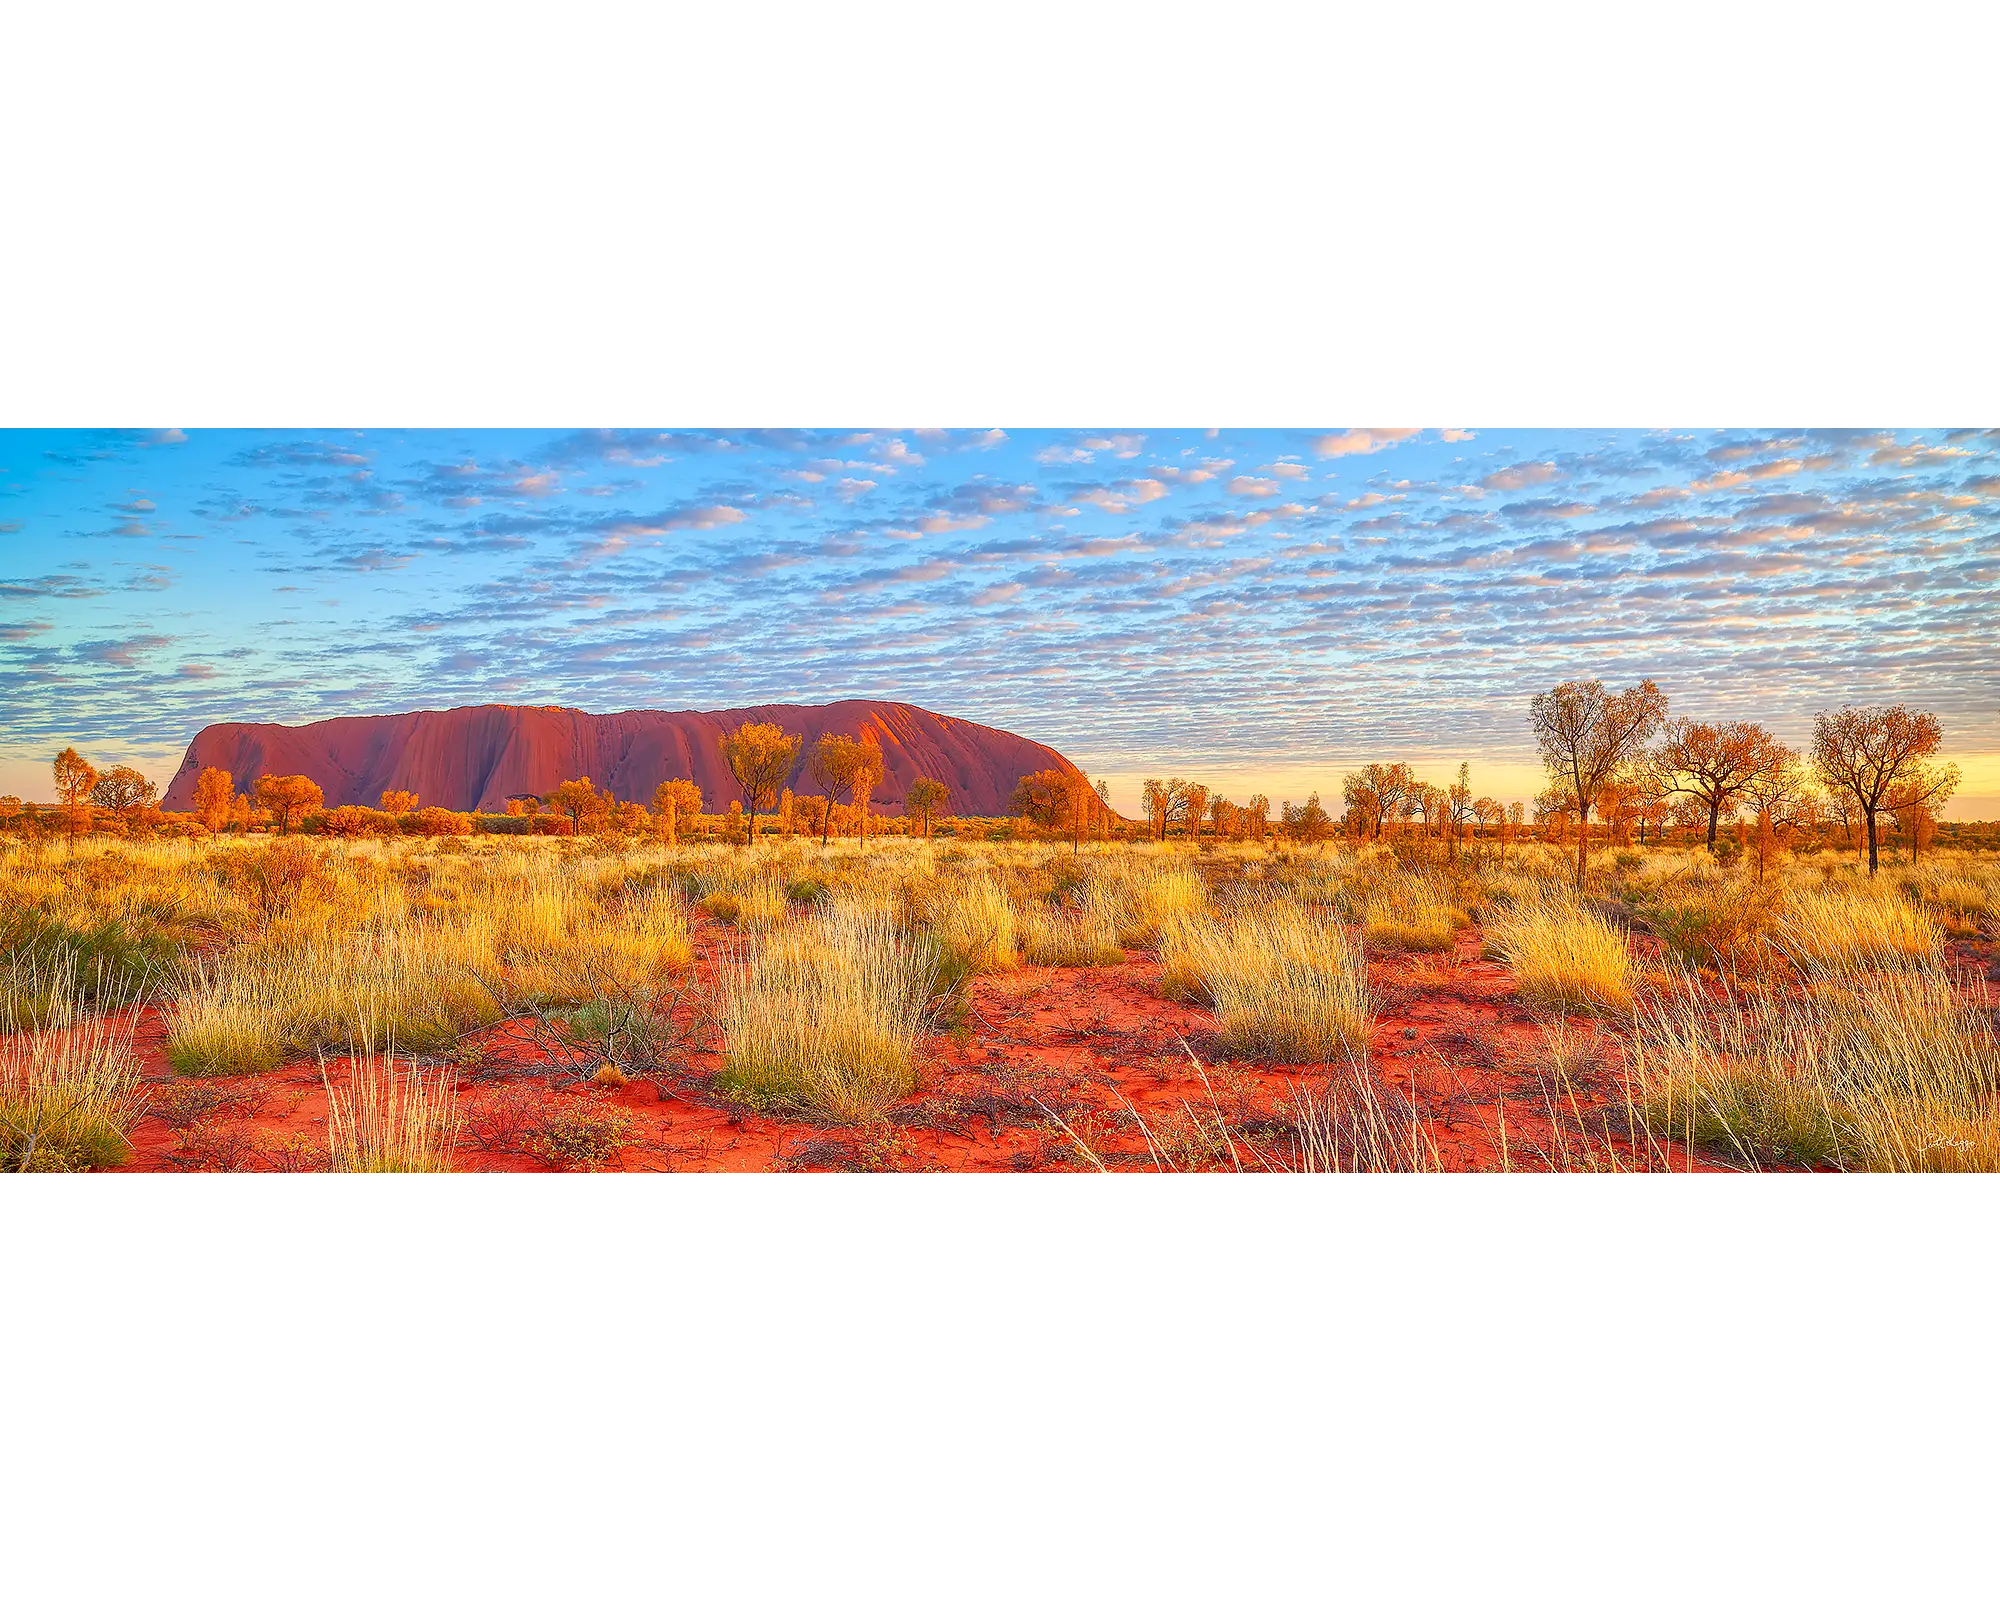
289,799
1043,798
1459,806
1194,806
1867,751
75,778
1309,823
674,799
1586,736
1102,789
809,813
1714,762
1166,801
124,790
398,801
926,798
214,790
1258,810
760,756
580,801
867,774
1486,810
1377,793
840,765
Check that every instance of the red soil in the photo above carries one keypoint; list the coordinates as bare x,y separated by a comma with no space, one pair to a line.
474,758
1452,1036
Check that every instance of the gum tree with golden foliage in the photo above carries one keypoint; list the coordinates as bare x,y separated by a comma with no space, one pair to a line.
1714,762
75,778
844,766
579,800
1378,792
674,799
1870,752
124,790
398,801
289,799
214,792
927,797
1586,736
760,756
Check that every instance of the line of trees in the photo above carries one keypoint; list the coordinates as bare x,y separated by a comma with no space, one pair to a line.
1614,760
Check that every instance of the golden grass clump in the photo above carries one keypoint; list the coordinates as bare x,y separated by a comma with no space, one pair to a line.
387,1119
1564,956
1862,929
1143,894
1411,911
1956,901
975,926
69,1089
1285,983
1896,1072
1085,935
827,1013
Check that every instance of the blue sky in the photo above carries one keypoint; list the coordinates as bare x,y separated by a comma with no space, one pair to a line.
1262,608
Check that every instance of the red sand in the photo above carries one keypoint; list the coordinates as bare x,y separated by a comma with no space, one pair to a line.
1453,1035
475,757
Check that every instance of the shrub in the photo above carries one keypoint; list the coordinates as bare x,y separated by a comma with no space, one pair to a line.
355,822
1711,924
435,822
577,1133
1563,955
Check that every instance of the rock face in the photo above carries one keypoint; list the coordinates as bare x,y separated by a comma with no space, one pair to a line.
475,757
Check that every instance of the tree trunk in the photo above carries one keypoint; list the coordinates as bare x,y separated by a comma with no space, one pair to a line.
1873,855
1582,845
1714,816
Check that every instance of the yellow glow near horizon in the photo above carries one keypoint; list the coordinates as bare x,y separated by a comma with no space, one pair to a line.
1977,799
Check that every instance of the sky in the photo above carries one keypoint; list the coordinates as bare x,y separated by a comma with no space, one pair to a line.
1260,609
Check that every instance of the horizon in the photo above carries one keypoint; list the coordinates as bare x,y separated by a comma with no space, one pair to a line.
1201,603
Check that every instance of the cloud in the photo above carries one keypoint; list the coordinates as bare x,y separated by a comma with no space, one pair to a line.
1255,487
1522,477
120,652
1122,445
1457,435
1362,441
618,534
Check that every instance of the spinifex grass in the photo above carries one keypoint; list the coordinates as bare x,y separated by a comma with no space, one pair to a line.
1058,936
391,1118
1565,957
1857,930
827,1013
1411,911
1285,982
1895,1071
69,1088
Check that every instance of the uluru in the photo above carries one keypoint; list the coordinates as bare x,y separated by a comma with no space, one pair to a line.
474,758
